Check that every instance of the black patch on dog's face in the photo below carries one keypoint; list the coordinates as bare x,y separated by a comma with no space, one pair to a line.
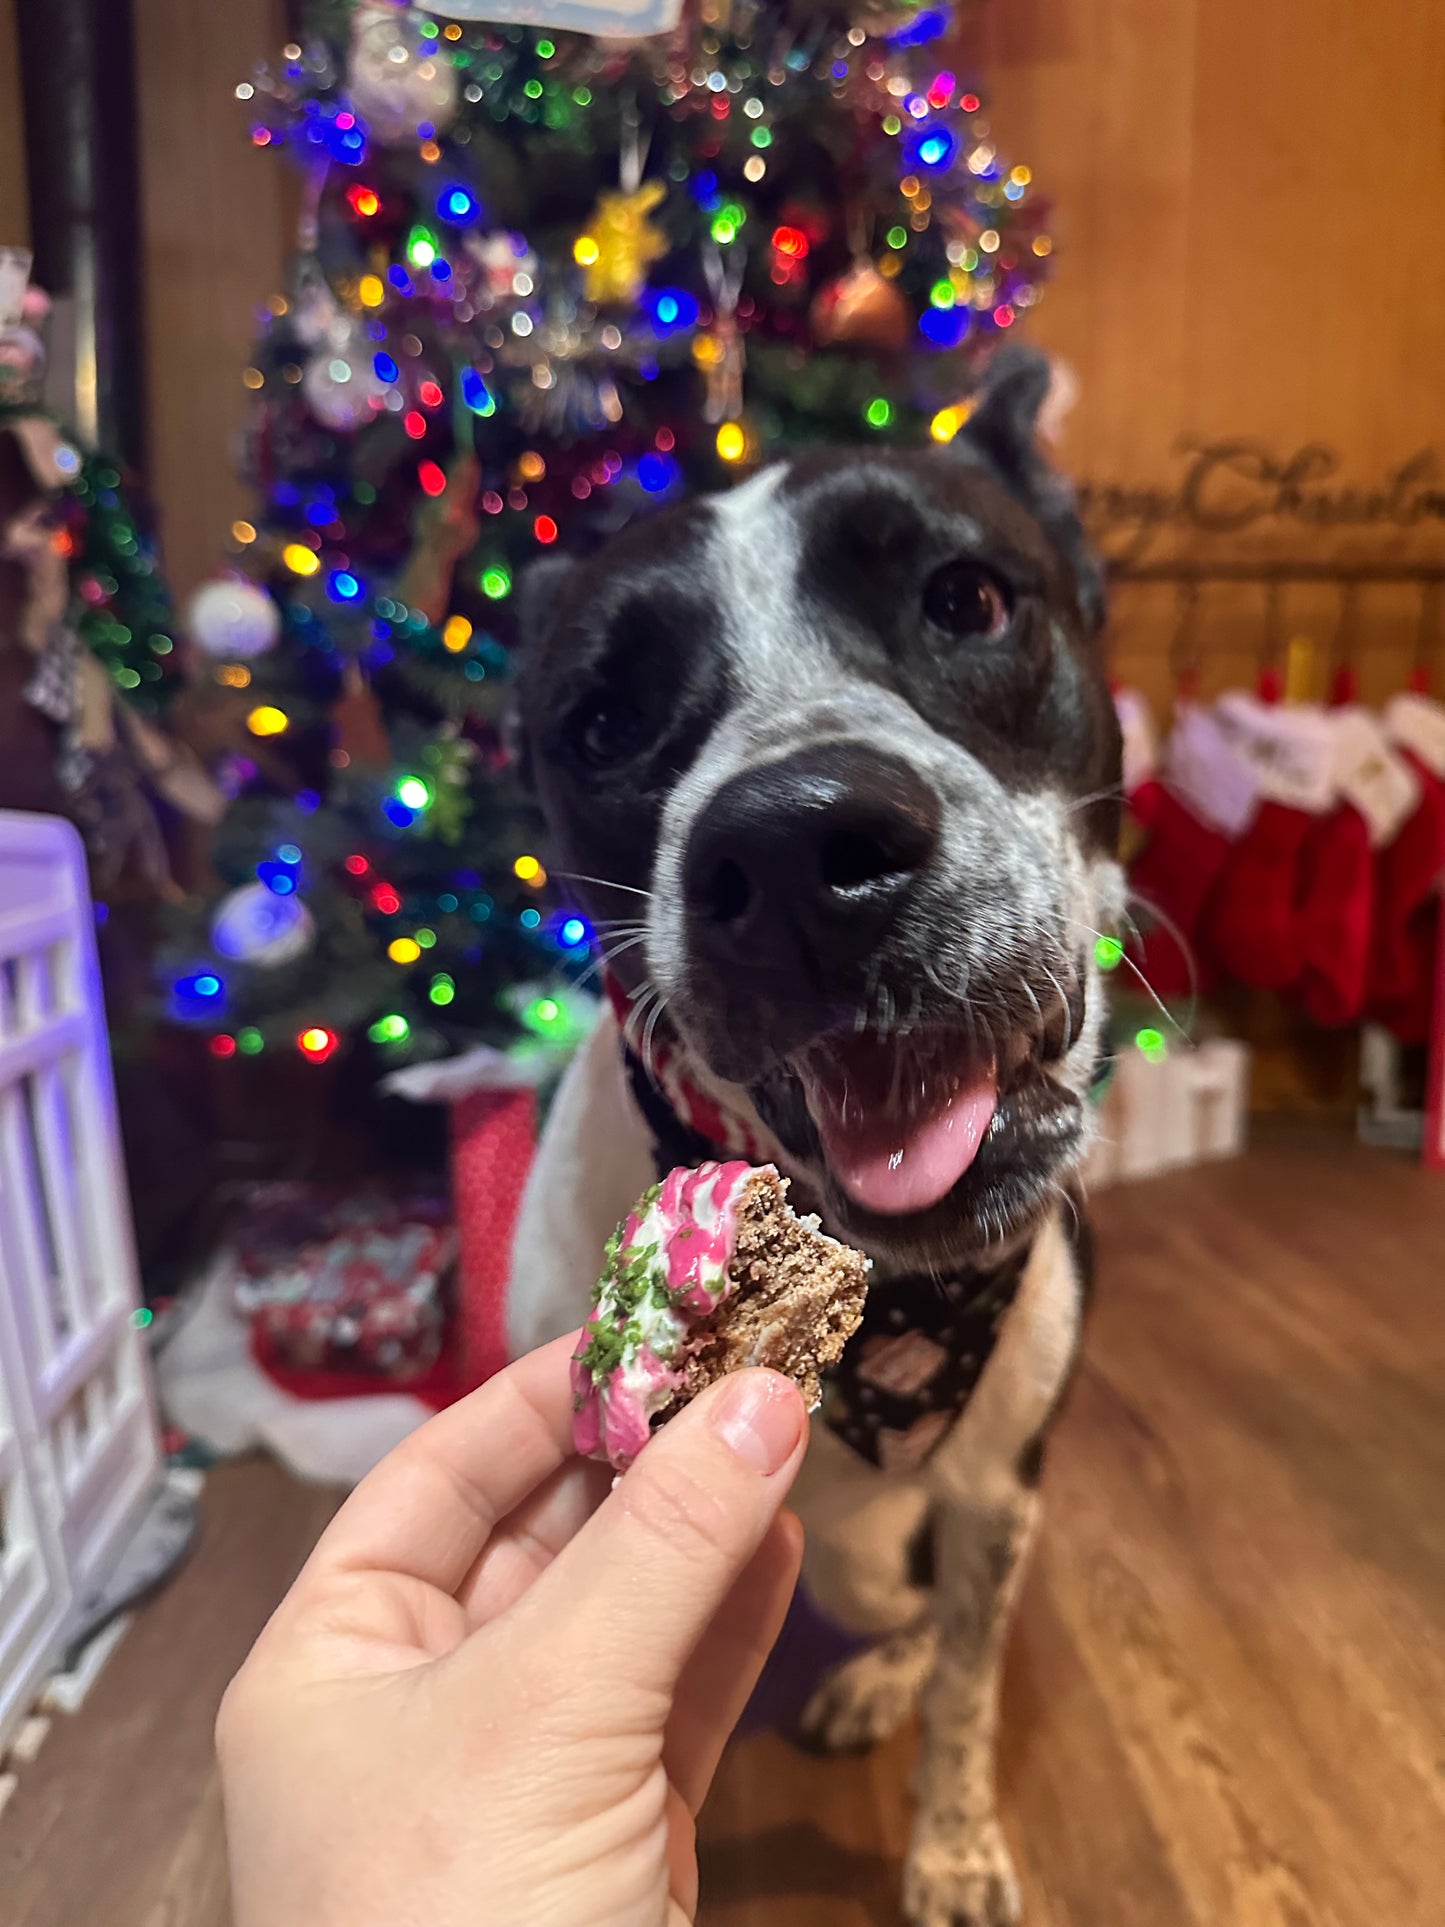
618,694
905,554
932,615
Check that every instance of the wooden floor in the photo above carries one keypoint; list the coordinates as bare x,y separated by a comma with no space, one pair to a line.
1225,1704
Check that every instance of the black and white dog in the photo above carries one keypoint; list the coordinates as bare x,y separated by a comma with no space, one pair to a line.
841,744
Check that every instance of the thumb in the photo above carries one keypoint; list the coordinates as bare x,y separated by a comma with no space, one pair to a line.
633,1594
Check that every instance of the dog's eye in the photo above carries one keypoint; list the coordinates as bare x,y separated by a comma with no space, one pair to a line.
607,732
964,600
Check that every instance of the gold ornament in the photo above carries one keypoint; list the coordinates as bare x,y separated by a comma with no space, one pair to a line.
620,245
861,309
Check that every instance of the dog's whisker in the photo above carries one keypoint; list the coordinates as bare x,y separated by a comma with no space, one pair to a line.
606,956
1033,999
1068,1009
641,1000
1165,1012
1166,922
603,883
650,1033
1070,1200
1115,794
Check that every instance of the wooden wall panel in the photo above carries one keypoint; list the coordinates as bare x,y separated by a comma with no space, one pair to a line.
14,207
1248,195
217,219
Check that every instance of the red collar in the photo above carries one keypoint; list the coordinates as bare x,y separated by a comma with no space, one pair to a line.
718,1112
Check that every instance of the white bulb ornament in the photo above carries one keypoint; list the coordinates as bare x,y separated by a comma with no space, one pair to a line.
231,620
398,80
255,926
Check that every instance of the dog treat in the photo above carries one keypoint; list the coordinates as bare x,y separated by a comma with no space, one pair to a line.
711,1270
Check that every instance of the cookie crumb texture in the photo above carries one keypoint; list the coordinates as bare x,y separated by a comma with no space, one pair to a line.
710,1272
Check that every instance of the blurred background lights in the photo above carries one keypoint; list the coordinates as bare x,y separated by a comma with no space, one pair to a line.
1151,1045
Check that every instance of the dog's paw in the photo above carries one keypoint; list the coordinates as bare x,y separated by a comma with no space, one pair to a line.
868,1698
966,1881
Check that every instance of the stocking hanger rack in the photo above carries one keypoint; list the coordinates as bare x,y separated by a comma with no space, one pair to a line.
1189,578
1269,574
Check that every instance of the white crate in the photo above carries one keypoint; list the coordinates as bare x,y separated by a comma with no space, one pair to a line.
78,1441
1191,1106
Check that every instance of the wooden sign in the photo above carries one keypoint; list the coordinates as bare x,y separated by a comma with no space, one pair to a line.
1242,488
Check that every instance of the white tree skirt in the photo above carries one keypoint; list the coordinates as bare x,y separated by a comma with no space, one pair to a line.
212,1388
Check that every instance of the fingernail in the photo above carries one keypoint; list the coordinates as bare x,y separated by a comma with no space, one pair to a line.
761,1417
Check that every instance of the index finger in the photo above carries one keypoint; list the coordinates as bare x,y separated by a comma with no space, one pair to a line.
431,1505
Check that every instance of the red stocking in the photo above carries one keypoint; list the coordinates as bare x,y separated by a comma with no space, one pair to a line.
1402,961
1142,787
1208,795
1252,926
1336,901
1252,930
1173,876
1342,862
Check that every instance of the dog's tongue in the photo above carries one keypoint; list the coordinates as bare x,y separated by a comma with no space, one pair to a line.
895,1149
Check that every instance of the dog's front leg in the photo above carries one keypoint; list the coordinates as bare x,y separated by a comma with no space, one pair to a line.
959,1873
985,1510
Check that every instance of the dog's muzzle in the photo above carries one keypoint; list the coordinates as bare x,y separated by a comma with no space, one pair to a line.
797,871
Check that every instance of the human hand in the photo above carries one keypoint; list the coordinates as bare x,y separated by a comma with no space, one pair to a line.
497,1694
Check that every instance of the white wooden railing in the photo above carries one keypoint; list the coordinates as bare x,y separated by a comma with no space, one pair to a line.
78,1441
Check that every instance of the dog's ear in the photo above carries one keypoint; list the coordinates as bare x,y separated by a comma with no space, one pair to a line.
541,588
539,593
1003,422
1002,431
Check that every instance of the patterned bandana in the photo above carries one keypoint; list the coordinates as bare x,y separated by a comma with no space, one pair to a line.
911,1367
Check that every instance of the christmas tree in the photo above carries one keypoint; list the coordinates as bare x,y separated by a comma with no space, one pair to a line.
545,282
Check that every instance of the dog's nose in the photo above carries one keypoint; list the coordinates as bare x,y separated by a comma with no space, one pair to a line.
817,851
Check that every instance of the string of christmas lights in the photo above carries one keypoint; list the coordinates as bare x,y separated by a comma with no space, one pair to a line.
544,283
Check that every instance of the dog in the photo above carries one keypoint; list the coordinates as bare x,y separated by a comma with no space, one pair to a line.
833,763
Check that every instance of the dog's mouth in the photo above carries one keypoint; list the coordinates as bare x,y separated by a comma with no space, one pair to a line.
934,1140
900,1119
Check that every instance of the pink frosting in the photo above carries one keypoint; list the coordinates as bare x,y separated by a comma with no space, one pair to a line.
693,1223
